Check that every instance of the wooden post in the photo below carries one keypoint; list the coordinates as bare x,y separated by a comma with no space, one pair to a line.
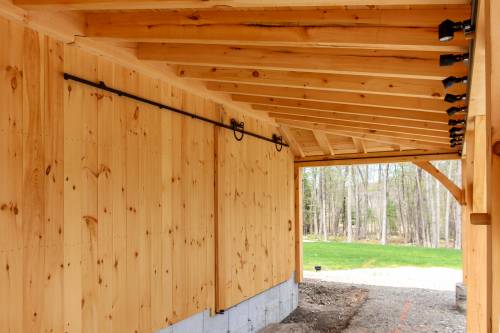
479,173
493,65
299,276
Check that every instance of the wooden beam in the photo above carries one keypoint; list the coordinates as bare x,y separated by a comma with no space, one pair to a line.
455,191
378,100
323,142
480,219
371,37
172,4
360,145
290,139
282,110
493,110
336,82
413,64
416,16
482,165
440,117
381,137
378,157
298,199
421,134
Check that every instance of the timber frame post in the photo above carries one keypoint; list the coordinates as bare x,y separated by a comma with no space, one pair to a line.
299,267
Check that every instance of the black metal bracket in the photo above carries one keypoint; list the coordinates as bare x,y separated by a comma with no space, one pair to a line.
240,127
278,141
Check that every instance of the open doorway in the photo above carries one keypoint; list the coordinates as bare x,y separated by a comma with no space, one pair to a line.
381,250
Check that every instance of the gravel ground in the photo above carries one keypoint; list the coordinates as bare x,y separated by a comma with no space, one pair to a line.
404,310
403,277
331,307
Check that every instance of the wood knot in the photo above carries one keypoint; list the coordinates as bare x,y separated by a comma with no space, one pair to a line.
496,148
90,219
13,83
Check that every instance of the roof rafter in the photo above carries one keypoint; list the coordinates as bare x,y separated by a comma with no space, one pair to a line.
419,16
360,145
413,64
427,88
139,28
391,138
398,102
323,142
290,139
352,117
441,117
171,4
422,135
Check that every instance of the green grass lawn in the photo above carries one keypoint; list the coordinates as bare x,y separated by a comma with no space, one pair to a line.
337,255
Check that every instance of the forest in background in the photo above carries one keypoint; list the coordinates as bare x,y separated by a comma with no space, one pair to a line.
386,203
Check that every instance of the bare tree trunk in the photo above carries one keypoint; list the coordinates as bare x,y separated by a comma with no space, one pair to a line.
447,209
437,221
383,237
316,206
458,226
420,207
356,203
349,203
429,212
403,209
458,213
323,205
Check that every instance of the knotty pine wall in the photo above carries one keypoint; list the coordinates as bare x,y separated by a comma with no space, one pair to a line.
256,229
112,212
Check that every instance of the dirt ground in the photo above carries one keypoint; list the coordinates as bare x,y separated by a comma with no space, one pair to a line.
324,307
331,307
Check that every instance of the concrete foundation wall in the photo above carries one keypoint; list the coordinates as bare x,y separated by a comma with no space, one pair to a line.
271,306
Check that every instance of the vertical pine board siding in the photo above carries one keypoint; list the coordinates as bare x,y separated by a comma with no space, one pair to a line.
73,99
33,226
179,239
162,305
105,199
148,88
87,67
119,226
133,113
52,320
255,215
11,176
109,220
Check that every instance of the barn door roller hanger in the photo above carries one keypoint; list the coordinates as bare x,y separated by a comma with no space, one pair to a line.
238,128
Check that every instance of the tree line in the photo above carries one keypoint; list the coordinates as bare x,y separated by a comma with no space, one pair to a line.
397,203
